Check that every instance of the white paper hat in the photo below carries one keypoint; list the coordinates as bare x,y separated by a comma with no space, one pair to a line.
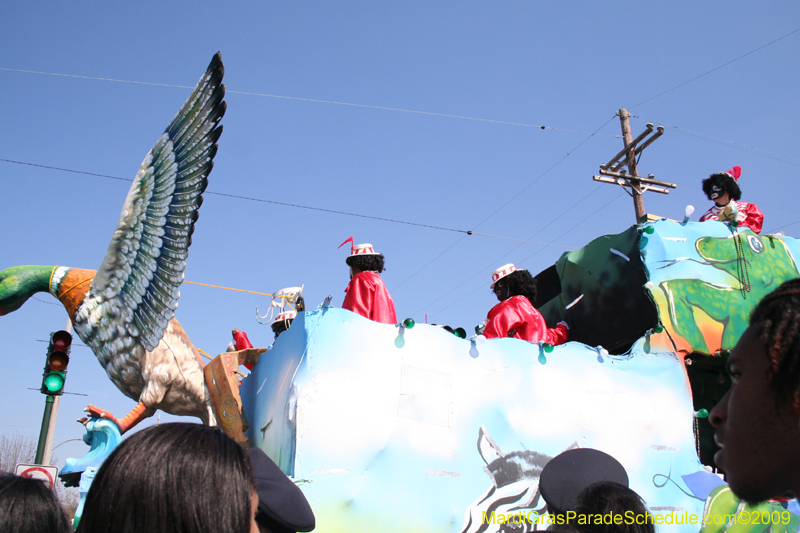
502,272
363,249
286,315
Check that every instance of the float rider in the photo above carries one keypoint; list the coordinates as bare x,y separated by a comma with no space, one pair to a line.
366,293
515,316
723,189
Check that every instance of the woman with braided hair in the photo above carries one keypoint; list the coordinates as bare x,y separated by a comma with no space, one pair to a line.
515,315
723,189
758,420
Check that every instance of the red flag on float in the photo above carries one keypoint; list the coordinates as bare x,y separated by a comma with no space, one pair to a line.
350,240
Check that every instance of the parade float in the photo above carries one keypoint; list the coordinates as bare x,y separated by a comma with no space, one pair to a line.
407,427
412,428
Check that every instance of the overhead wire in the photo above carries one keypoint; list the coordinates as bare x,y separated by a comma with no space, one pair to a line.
496,211
314,100
736,145
573,227
482,271
252,199
717,68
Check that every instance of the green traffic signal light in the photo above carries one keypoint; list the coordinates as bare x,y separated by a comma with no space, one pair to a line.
55,367
54,382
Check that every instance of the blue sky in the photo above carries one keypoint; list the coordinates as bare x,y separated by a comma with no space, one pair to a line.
400,152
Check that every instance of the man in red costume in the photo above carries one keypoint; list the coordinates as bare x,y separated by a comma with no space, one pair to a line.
724,190
515,315
366,293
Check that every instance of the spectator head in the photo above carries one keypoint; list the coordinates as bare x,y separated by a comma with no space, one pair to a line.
610,499
177,478
567,474
282,506
29,506
758,420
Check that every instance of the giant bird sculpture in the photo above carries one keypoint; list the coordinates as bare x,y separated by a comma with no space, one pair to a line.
124,310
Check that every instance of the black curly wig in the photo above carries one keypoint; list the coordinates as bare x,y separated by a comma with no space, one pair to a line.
726,184
366,263
519,283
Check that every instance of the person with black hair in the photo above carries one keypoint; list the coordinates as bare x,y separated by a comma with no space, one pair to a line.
723,189
366,293
29,506
173,478
758,420
610,507
515,316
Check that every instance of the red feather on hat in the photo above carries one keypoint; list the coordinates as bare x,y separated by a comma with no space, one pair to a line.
735,172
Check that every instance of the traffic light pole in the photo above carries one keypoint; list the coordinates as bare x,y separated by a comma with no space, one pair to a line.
45,434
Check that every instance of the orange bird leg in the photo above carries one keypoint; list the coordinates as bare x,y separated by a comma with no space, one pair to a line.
130,420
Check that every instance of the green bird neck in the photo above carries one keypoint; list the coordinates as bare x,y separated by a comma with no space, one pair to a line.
19,283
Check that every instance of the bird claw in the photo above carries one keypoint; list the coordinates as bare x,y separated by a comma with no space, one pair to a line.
95,412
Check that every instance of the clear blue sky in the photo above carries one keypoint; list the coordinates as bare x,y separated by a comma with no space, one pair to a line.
566,65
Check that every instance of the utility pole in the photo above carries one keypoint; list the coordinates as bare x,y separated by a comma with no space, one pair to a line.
614,171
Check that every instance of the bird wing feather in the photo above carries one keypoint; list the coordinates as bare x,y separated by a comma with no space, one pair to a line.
136,289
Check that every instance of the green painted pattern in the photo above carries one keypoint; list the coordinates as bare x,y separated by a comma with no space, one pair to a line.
767,263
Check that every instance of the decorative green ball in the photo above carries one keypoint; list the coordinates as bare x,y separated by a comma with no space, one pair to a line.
649,230
408,323
702,413
658,329
547,347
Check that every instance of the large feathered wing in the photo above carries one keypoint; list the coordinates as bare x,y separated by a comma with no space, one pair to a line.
136,289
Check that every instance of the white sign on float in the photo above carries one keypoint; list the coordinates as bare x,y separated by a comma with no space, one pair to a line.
45,473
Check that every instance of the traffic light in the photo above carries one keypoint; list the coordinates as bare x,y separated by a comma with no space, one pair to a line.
55,368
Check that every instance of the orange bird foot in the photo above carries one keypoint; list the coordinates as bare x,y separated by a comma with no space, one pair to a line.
96,412
132,418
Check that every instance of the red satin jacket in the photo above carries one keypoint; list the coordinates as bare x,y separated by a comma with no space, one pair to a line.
517,318
367,296
749,215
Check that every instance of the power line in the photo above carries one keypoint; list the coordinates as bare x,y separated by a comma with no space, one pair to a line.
505,204
736,145
716,68
540,176
575,226
314,100
541,228
324,210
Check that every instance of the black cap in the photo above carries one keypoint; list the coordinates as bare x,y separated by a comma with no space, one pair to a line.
282,506
567,474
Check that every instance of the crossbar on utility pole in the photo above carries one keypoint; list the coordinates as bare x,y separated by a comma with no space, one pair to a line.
627,158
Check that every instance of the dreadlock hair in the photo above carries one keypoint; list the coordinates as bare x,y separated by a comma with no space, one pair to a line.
366,263
520,283
776,319
725,182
